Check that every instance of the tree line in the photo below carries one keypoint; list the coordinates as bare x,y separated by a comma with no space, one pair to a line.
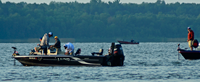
99,21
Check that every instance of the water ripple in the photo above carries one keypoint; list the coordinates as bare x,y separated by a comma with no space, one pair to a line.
146,62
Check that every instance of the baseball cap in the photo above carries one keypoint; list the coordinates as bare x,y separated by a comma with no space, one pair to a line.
40,37
65,45
56,37
188,28
50,33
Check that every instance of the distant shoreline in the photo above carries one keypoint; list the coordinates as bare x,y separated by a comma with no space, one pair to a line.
36,40
106,1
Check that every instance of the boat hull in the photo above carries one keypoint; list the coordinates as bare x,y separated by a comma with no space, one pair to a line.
125,42
60,60
192,55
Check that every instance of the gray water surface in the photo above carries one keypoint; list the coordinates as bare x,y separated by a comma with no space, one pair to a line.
146,62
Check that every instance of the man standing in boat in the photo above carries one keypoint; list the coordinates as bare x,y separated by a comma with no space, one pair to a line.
45,42
190,38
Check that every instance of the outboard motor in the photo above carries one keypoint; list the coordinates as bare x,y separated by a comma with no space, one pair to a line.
117,56
195,43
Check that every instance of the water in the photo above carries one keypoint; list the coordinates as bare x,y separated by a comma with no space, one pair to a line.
146,62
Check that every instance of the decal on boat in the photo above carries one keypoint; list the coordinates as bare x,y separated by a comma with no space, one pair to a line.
65,59
83,62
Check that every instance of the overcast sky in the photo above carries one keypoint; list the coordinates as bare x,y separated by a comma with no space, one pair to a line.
86,1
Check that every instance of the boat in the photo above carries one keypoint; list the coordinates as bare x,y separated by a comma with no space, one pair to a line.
188,54
53,58
127,42
191,55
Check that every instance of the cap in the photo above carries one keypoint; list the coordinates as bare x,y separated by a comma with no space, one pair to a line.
109,49
65,45
188,28
56,37
40,37
50,33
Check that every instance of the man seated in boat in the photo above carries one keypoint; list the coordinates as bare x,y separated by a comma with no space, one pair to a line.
109,52
38,48
57,44
69,48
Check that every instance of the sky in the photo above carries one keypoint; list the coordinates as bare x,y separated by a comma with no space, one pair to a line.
86,1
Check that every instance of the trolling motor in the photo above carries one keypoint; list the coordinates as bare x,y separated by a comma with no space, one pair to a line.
15,52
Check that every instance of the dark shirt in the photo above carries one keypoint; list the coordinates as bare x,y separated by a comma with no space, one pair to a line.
57,44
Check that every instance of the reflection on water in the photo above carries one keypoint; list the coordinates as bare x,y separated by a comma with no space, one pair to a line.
146,62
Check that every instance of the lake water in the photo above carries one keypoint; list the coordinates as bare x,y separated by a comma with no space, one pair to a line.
146,62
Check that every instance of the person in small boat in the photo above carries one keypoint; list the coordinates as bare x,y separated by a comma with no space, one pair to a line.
190,37
109,52
69,48
57,43
38,48
132,40
45,42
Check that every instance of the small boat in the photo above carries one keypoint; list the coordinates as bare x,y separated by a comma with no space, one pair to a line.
53,58
127,42
188,54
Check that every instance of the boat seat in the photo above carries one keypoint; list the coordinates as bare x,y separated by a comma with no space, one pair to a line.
98,53
78,52
53,51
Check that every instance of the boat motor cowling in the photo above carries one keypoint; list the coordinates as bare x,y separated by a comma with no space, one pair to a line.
195,43
118,50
